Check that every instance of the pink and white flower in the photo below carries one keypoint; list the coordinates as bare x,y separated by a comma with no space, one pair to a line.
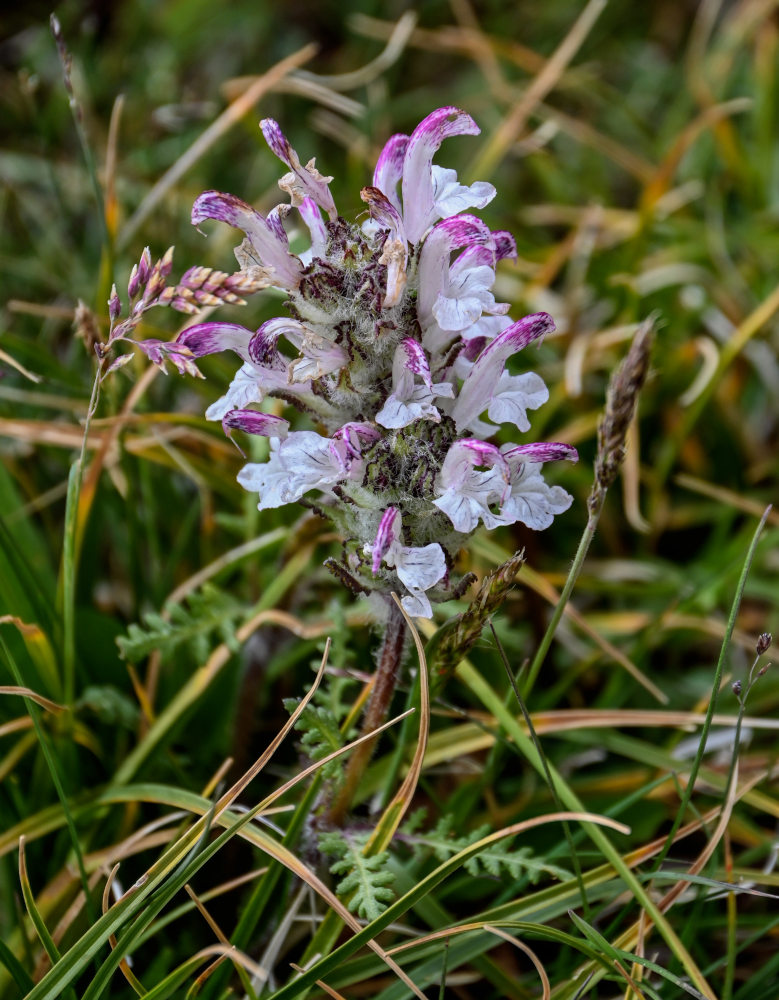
418,567
411,399
488,386
530,499
474,478
301,462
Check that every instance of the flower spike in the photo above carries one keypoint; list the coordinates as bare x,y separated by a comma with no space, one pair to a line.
397,350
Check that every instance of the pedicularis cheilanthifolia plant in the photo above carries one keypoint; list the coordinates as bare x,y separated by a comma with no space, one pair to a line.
396,350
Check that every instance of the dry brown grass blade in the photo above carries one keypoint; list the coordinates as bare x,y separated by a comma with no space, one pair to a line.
512,939
65,922
25,692
216,777
313,768
472,737
323,986
468,41
48,433
9,360
147,838
298,868
124,965
396,43
631,475
278,851
728,497
223,123
192,690
203,911
510,128
224,951
398,807
232,793
478,925
644,925
629,940
16,725
630,622
39,309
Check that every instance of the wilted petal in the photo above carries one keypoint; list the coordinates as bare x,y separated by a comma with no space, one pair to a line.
382,211
419,190
394,256
266,236
394,253
304,182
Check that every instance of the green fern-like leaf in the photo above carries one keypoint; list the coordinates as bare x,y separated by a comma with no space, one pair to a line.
495,859
321,735
366,879
208,611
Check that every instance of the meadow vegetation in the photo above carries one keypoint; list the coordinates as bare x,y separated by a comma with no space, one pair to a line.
575,794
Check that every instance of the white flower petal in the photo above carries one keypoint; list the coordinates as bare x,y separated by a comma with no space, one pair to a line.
532,501
245,388
514,395
450,197
401,412
417,604
419,568
304,461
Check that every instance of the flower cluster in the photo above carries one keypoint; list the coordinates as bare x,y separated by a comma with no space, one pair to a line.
396,349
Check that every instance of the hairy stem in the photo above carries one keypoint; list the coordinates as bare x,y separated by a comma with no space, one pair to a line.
383,688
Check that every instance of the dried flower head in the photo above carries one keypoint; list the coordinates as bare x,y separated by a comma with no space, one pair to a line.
396,349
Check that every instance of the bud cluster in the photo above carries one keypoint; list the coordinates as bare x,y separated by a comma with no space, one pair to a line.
396,349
